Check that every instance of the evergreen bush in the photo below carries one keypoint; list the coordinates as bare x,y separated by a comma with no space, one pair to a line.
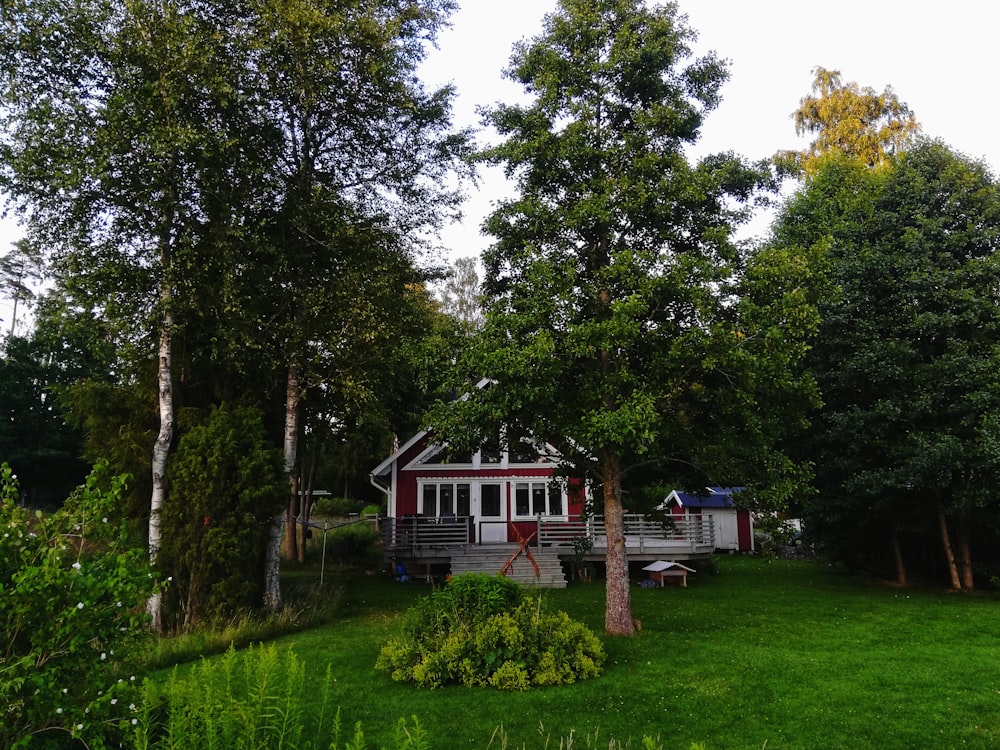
484,630
334,507
226,483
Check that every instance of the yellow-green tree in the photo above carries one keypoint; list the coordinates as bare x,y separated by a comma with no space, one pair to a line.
860,122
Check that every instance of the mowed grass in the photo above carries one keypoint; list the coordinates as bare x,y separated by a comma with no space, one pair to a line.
782,654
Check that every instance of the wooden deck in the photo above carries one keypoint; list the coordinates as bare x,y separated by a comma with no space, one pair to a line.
433,547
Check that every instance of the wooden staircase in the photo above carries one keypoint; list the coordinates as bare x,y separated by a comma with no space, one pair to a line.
491,559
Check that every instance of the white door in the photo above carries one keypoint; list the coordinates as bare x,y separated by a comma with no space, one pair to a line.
490,511
726,536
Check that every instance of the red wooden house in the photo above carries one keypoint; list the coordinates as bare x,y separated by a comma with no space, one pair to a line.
498,495
449,511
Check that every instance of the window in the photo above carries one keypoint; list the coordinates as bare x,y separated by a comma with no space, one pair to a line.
491,452
524,451
537,499
490,500
445,499
444,454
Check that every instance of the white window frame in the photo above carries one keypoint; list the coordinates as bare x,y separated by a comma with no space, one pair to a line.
437,484
533,484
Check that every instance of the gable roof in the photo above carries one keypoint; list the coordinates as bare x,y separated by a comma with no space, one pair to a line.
717,497
384,468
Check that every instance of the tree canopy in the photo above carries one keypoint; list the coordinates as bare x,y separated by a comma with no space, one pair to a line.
906,356
240,190
859,122
623,324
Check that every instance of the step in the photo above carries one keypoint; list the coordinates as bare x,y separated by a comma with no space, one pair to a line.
492,559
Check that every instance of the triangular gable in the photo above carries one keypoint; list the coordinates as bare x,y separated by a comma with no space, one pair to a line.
385,468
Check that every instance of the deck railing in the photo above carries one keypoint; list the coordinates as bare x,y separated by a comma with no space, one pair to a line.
418,532
641,532
693,533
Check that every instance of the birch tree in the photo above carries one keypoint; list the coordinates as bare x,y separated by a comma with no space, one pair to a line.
113,119
363,164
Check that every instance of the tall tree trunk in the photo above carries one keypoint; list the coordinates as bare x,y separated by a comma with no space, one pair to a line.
161,448
293,513
305,506
897,555
293,395
949,552
965,551
618,612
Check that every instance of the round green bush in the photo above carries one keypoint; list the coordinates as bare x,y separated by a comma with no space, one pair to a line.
484,630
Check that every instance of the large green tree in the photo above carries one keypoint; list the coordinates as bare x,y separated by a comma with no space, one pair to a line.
361,161
907,355
236,185
117,126
20,268
623,323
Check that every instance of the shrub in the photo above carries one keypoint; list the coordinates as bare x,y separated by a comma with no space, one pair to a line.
484,630
72,595
334,507
355,539
225,485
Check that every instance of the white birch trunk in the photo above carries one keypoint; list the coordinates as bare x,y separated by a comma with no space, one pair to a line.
161,448
272,581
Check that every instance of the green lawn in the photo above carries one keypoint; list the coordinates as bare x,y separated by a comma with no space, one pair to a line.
777,655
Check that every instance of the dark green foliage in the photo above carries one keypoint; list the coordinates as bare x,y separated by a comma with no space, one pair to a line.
355,539
483,630
906,356
225,485
336,507
35,439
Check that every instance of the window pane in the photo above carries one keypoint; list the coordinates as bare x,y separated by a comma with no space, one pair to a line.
521,506
491,500
490,451
538,499
447,499
555,503
524,452
430,500
462,499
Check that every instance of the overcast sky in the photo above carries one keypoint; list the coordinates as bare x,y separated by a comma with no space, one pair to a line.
939,57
